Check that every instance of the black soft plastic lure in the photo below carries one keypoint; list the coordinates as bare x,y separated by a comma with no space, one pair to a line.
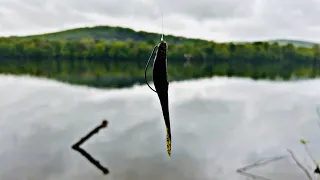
160,80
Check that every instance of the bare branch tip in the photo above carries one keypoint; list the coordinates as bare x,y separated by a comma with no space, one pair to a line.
104,123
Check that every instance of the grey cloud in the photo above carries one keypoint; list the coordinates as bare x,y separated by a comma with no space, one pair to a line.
277,19
237,19
290,14
114,8
202,9
208,9
38,14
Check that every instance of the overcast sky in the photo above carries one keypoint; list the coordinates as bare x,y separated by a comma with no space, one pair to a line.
220,20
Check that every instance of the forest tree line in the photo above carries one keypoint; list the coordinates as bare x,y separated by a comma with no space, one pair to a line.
104,63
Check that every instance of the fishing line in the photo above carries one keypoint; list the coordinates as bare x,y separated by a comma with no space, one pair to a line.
154,49
162,24
145,71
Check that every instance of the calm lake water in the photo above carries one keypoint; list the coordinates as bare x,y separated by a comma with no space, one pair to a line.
218,126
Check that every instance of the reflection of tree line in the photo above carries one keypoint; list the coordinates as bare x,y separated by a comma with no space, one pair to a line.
121,63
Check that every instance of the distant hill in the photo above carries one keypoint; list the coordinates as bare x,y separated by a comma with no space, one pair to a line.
110,33
298,43
294,42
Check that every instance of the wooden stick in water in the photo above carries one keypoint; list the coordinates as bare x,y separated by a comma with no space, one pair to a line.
77,147
243,170
299,164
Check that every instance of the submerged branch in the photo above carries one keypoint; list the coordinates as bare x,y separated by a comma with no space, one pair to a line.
256,164
77,147
92,160
252,175
299,164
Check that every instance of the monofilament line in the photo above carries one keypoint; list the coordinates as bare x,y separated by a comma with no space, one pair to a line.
162,23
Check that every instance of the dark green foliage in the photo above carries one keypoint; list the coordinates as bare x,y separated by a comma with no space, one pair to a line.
116,57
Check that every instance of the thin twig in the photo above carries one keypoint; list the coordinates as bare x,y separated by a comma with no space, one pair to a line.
256,164
304,142
253,176
94,131
310,155
299,164
77,147
92,160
